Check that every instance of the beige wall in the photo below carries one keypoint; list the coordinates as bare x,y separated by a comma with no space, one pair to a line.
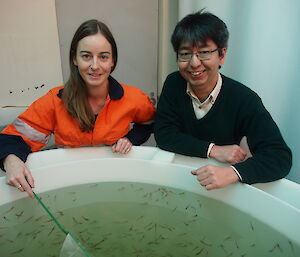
29,53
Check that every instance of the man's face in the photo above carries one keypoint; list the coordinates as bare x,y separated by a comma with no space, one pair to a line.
202,75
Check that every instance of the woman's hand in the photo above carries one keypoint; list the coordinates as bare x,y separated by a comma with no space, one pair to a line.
18,175
123,146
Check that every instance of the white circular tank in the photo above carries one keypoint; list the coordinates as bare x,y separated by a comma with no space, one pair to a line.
145,203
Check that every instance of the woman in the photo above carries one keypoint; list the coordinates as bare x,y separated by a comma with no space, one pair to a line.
91,109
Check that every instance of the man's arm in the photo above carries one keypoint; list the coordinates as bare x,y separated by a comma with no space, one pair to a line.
213,177
271,157
228,153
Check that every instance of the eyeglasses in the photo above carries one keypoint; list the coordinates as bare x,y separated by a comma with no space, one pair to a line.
202,55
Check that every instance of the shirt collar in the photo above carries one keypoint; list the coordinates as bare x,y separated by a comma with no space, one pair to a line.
212,96
115,90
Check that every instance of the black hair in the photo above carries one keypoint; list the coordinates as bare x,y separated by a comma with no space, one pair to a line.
199,27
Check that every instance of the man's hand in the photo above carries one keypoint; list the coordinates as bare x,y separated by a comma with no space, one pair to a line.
18,175
228,153
212,177
123,146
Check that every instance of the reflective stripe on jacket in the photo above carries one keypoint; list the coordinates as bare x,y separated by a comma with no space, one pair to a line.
48,115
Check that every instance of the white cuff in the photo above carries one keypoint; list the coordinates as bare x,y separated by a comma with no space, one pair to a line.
237,173
209,149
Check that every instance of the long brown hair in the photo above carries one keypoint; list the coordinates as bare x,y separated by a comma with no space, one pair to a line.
75,94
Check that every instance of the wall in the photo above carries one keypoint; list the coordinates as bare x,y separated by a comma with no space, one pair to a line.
29,53
264,54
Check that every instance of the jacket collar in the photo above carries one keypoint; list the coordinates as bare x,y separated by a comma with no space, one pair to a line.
115,90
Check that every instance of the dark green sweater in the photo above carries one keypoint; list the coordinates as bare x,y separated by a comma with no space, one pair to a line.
237,112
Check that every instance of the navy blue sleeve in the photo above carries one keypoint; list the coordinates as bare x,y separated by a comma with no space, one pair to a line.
11,144
139,133
272,158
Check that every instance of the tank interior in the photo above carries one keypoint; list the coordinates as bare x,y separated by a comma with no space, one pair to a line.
137,219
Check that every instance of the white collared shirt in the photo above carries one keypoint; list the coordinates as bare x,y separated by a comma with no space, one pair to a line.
202,108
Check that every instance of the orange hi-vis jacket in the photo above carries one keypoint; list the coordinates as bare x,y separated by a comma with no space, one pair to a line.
48,115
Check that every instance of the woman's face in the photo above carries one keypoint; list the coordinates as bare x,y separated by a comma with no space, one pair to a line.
94,61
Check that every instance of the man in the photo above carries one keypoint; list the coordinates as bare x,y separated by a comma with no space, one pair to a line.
203,113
